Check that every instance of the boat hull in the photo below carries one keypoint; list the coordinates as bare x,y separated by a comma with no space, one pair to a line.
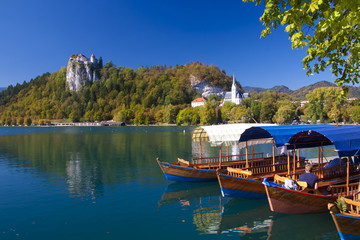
177,173
294,202
241,187
347,226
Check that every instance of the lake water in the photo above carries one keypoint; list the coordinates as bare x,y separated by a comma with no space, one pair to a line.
104,183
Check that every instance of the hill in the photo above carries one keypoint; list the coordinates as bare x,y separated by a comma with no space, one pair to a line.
2,89
301,93
282,89
138,96
253,89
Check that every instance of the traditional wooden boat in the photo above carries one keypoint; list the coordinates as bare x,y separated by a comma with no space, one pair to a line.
183,171
204,168
346,140
247,182
348,222
307,201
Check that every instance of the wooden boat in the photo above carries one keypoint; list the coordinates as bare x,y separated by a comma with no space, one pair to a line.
247,183
303,202
348,223
183,171
204,168
347,144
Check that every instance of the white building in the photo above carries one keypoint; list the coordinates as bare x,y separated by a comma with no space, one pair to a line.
198,102
233,96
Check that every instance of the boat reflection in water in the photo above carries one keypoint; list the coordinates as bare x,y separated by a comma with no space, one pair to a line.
246,219
250,218
185,193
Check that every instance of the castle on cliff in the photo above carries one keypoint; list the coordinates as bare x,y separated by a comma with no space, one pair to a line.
80,70
82,58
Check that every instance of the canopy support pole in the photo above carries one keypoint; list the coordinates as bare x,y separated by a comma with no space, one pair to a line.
246,155
294,163
298,157
319,158
288,162
200,152
322,157
253,151
220,156
227,152
347,176
273,156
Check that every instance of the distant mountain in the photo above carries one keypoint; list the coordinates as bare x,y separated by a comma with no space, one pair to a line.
301,93
248,89
282,89
354,92
2,88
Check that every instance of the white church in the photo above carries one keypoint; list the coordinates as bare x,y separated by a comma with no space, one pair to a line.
234,96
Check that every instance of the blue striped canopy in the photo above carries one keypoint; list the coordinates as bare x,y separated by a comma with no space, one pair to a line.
280,134
346,139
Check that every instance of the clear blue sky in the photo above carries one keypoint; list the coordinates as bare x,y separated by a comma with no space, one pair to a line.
39,36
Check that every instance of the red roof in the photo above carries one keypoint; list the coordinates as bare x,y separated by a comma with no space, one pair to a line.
92,55
200,99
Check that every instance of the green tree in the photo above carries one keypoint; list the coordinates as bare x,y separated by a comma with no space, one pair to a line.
207,114
326,104
188,116
241,114
100,63
8,121
28,121
170,113
267,111
355,113
20,121
285,114
226,111
315,107
328,29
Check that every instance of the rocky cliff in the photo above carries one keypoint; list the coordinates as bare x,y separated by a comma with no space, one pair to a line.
205,88
80,70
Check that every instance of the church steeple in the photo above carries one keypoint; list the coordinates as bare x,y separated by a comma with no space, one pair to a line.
233,90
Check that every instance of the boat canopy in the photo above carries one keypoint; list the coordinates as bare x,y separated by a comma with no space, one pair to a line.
346,139
279,135
227,134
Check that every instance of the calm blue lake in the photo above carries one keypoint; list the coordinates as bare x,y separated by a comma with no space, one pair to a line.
104,183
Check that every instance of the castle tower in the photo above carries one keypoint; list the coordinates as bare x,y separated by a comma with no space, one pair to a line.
92,58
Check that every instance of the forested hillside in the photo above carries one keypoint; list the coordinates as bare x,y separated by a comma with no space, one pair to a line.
141,96
161,94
